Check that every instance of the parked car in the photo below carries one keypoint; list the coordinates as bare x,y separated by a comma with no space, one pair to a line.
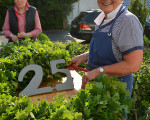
83,25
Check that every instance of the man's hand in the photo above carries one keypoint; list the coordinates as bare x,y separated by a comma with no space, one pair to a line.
79,59
22,35
89,76
14,38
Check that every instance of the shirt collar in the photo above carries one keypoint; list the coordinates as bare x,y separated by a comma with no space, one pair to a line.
27,7
110,16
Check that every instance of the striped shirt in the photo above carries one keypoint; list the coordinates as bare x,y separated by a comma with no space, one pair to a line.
127,33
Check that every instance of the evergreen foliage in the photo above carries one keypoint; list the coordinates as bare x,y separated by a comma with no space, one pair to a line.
15,56
140,9
4,5
103,99
53,12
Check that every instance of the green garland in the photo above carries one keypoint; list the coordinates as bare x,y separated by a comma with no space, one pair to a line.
103,99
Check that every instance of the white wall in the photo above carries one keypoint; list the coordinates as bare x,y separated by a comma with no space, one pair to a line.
82,5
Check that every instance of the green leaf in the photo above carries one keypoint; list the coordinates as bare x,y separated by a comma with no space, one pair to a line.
32,115
67,114
14,83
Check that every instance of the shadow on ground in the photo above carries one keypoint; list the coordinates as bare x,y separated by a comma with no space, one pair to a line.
63,36
59,35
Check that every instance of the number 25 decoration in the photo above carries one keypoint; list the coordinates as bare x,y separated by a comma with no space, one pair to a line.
32,87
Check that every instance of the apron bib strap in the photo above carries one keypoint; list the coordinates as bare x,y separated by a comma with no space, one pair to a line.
118,14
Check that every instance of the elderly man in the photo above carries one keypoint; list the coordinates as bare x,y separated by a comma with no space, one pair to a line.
21,20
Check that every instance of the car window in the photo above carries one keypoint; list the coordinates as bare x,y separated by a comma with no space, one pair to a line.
82,15
91,17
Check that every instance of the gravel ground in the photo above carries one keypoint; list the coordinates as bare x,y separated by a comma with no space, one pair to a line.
54,35
3,39
61,36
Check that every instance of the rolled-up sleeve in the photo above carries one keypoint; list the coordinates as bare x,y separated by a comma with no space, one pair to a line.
131,35
38,28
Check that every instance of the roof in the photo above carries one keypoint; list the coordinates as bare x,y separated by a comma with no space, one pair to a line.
127,3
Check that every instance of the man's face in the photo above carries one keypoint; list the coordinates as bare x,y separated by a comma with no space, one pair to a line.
108,6
20,3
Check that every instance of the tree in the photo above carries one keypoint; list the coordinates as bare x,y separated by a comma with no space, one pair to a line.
53,12
4,5
140,9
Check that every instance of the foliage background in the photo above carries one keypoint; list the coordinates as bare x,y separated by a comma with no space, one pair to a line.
4,5
51,12
140,9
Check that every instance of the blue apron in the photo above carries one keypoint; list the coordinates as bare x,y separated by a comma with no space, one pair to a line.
101,52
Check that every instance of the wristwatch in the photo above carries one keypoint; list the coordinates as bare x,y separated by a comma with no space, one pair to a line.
101,69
